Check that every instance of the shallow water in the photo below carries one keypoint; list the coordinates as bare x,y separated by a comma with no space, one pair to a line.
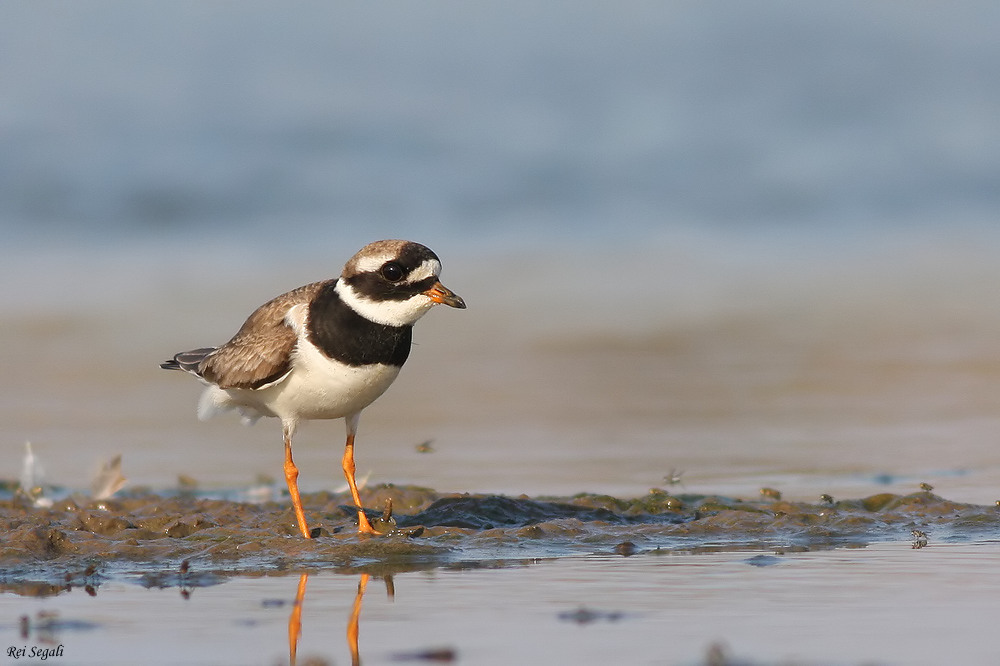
842,606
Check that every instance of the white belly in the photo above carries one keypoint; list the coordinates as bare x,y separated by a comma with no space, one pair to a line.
316,388
328,392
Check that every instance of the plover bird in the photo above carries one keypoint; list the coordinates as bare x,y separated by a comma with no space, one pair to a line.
323,351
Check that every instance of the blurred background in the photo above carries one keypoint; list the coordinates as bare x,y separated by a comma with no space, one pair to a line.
753,243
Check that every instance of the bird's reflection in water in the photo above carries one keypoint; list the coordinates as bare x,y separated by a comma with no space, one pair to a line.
295,619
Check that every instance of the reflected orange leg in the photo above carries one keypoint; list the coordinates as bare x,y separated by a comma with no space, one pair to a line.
352,624
364,527
291,476
295,620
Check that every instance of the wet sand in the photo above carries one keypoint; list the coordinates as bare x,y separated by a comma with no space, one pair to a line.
826,379
425,526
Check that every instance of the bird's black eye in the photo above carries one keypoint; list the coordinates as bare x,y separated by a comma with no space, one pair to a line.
393,272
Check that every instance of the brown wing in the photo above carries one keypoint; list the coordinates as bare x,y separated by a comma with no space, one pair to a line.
261,350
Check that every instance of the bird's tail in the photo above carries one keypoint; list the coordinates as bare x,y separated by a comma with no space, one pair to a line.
188,361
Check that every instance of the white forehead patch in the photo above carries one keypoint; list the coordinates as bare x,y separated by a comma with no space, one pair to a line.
371,263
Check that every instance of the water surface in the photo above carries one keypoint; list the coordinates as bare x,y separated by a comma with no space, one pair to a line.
825,607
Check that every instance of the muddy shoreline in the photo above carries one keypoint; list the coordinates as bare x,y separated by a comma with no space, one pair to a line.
183,540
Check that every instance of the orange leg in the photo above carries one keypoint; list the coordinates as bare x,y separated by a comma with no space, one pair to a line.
291,476
364,527
295,620
352,624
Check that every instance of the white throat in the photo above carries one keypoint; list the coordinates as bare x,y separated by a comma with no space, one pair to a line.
388,313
